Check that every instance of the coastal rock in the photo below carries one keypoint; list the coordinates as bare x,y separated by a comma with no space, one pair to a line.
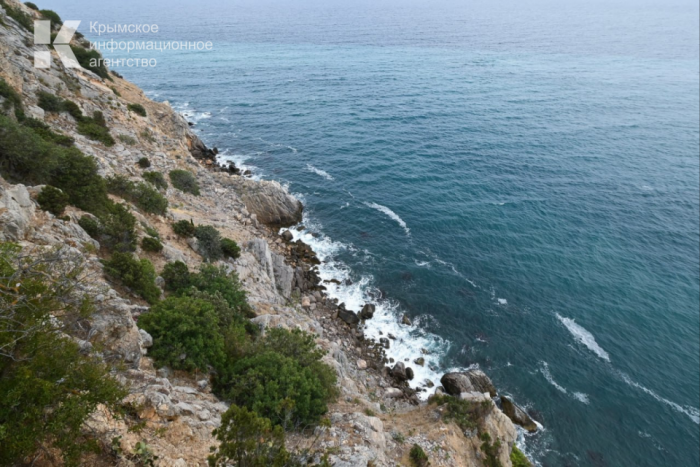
456,383
399,372
406,320
348,316
268,200
517,415
481,382
367,311
287,236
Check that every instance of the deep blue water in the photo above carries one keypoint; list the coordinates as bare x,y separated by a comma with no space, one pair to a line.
521,179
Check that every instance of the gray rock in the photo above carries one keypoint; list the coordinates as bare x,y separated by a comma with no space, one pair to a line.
456,383
481,382
409,373
146,339
348,316
393,393
268,200
406,320
367,311
386,343
399,372
287,236
517,415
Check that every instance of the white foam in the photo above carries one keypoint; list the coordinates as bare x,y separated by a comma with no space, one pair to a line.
240,160
422,264
391,214
691,412
409,340
581,397
583,336
502,301
544,369
319,172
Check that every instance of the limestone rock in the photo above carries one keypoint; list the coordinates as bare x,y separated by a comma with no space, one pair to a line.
367,311
268,200
456,383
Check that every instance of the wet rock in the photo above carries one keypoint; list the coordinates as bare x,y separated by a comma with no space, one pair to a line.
517,415
348,316
367,311
406,320
456,383
409,373
419,361
399,372
287,236
384,342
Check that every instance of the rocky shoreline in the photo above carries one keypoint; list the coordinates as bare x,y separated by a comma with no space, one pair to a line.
377,417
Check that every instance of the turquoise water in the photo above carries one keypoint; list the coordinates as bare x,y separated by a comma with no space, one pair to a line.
521,179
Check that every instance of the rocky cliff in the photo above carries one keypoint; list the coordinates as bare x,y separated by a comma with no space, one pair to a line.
375,421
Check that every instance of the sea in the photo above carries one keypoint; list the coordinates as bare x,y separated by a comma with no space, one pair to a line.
520,178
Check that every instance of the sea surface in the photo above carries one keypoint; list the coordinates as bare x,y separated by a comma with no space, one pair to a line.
520,178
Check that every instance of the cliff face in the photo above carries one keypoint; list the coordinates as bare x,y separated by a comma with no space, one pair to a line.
375,420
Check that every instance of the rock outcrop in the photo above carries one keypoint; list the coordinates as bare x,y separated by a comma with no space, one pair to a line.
269,201
517,414
473,380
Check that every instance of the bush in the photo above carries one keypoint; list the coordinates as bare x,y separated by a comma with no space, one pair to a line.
465,414
73,109
490,450
208,242
32,6
137,108
276,387
214,279
114,90
176,276
53,200
84,58
77,175
92,226
518,459
184,228
418,457
184,181
230,248
26,157
144,163
50,102
138,275
95,131
248,440
185,334
151,244
141,194
23,19
12,99
120,185
156,179
45,133
48,387
51,16
126,139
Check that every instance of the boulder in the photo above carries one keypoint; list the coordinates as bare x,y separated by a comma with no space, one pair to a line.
348,316
367,311
517,415
287,236
384,342
456,383
393,393
481,382
399,372
406,320
268,200
409,373
420,361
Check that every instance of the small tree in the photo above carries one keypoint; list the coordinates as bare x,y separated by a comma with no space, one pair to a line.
230,248
184,181
185,334
140,275
53,200
248,440
151,244
184,228
209,242
176,276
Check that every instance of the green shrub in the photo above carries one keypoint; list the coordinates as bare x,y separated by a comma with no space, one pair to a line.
139,275
118,228
78,176
137,109
490,450
45,132
18,15
85,57
144,163
52,16
418,457
151,244
26,157
32,6
53,200
50,102
230,248
12,99
184,181
176,276
72,108
114,90
150,230
184,228
92,226
275,387
518,459
466,414
185,334
95,131
126,139
48,387
214,279
247,439
157,179
141,194
208,242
